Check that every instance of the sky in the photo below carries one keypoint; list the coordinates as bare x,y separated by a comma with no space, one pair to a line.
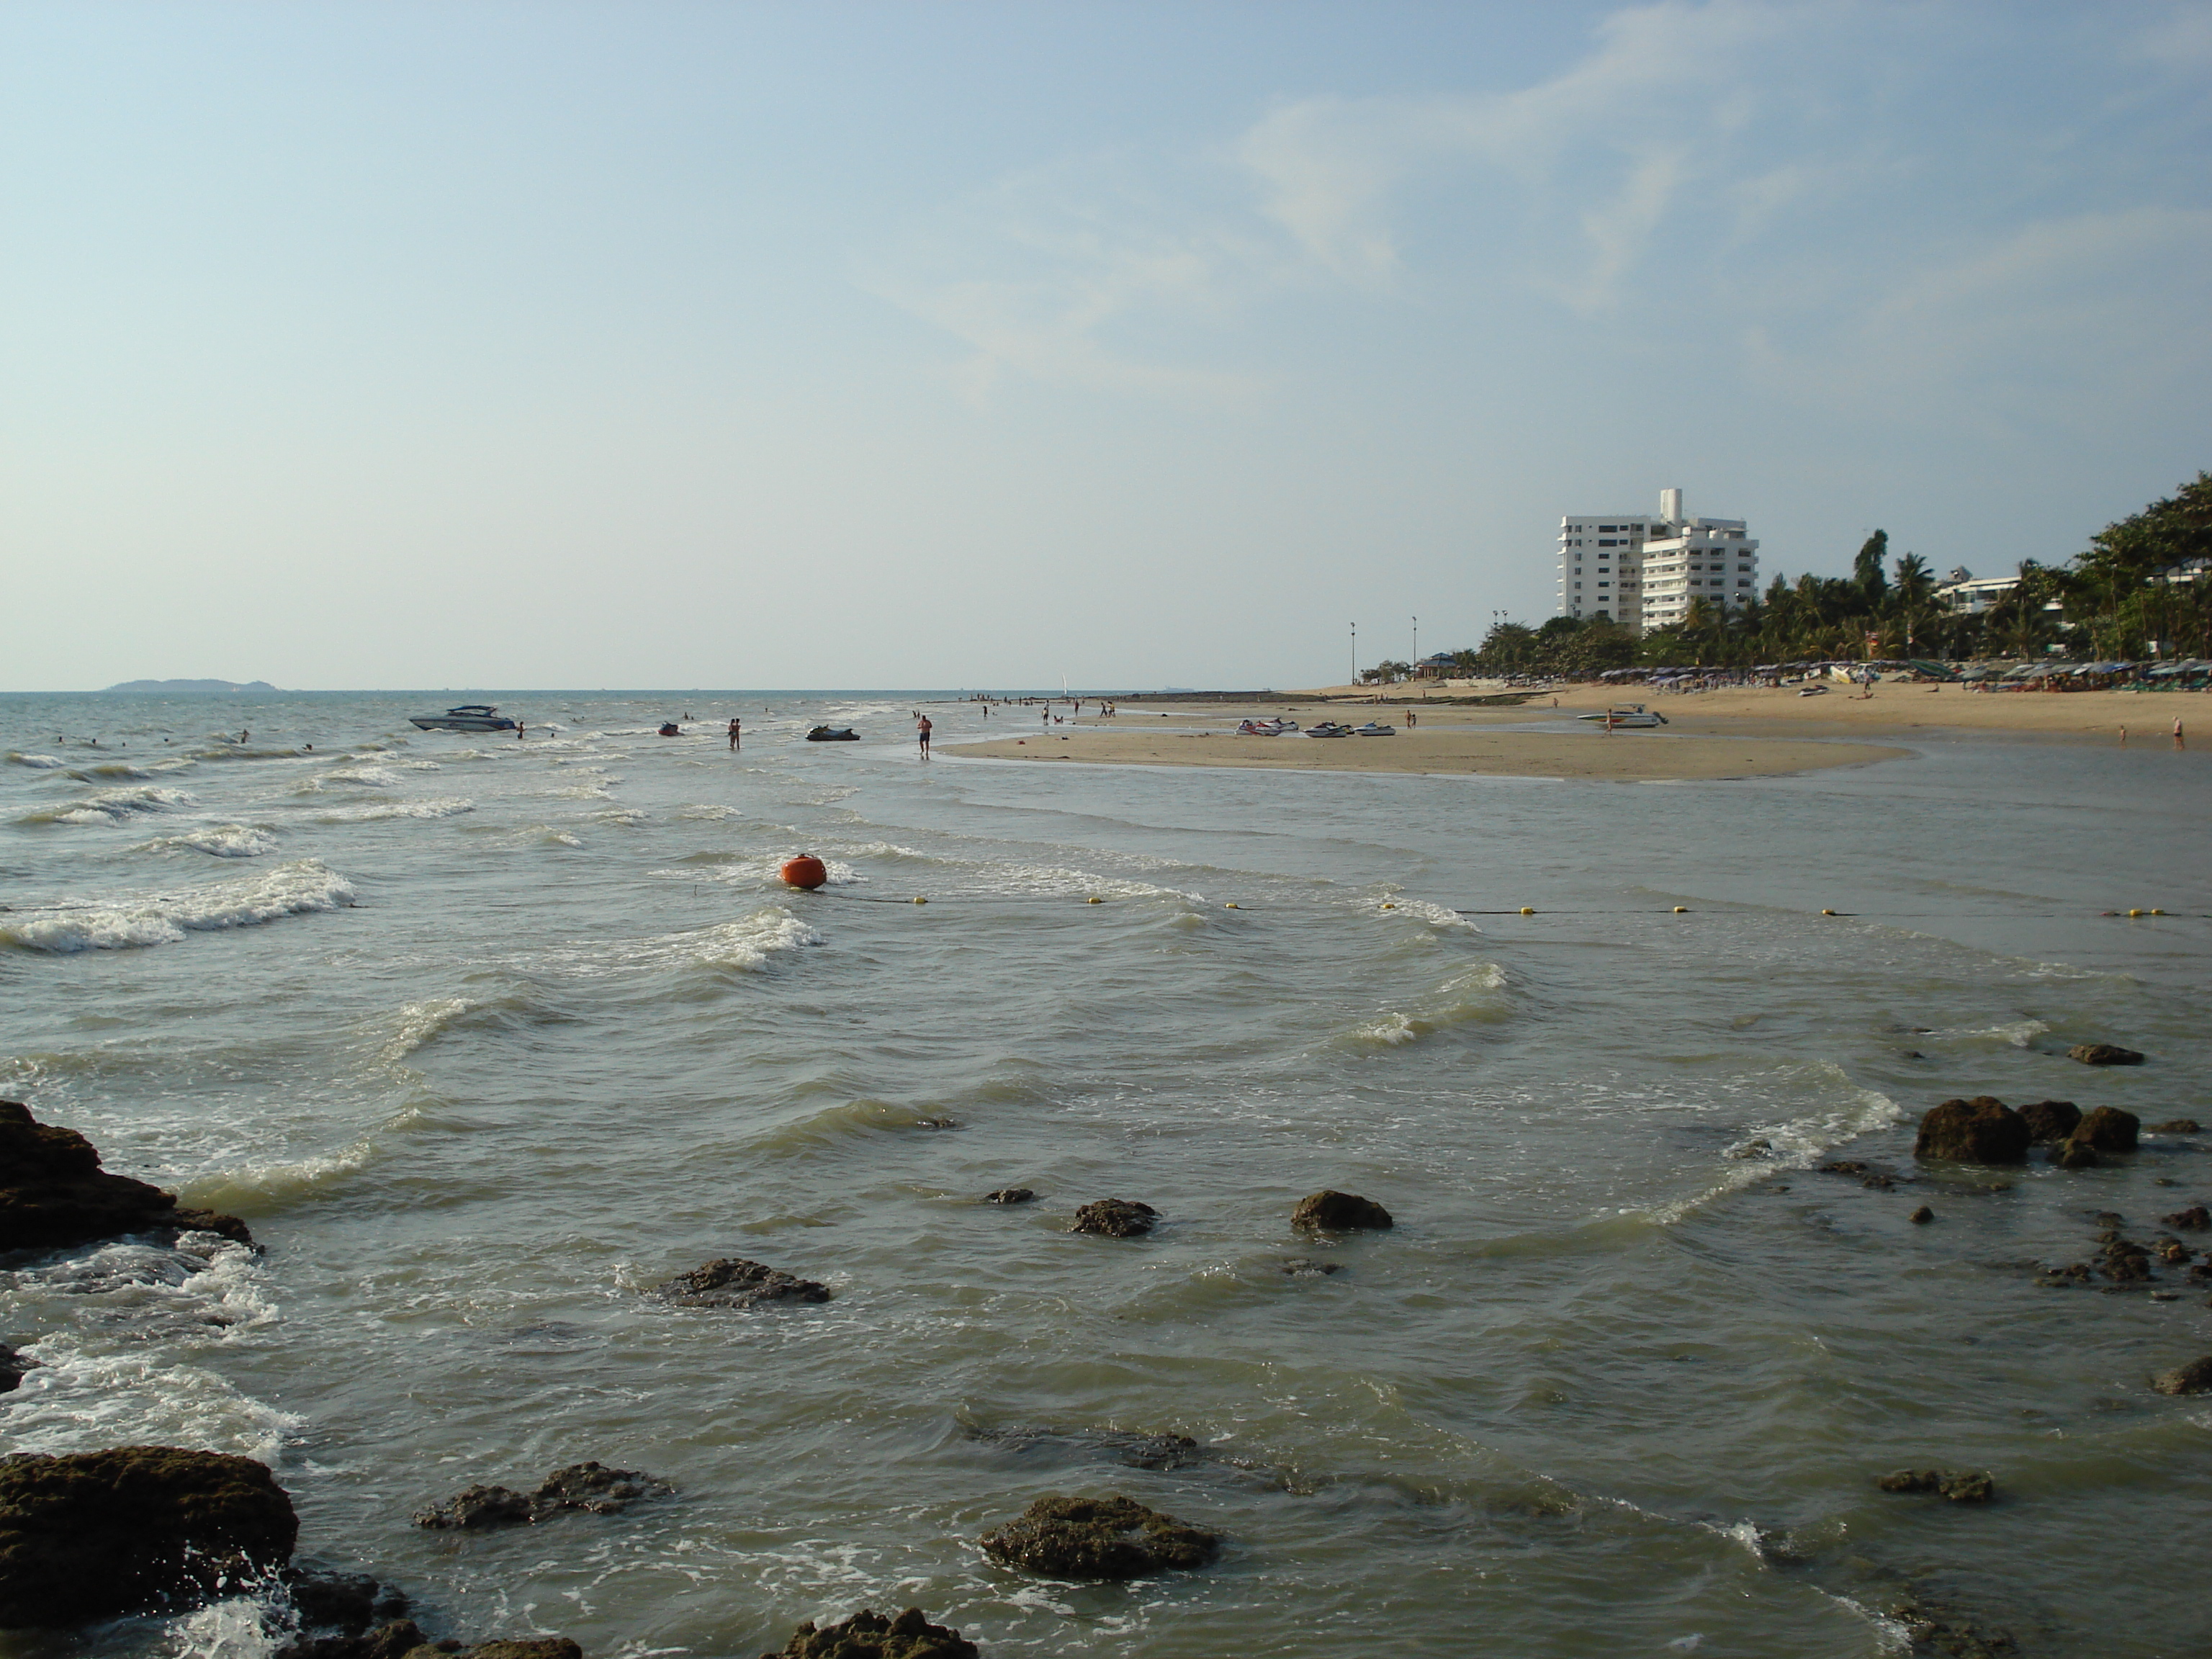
941,344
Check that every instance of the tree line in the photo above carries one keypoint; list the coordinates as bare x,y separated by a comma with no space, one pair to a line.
2146,578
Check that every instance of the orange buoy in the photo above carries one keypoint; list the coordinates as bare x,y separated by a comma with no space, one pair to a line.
805,870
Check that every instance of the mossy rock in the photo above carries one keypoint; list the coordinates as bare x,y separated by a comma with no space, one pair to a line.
1111,1537
869,1635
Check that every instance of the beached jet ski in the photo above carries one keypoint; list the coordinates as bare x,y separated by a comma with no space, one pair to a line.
1631,715
1328,729
1264,728
1373,730
833,734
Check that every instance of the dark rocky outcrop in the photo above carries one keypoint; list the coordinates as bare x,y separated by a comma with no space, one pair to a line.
1336,1212
2195,1377
2194,1219
2108,1129
1940,1631
1132,1449
349,1602
592,1488
403,1639
94,1534
2104,1053
1301,1266
2074,1155
2175,1126
12,1367
868,1635
1116,1217
1983,1130
53,1191
1112,1537
1003,1195
1960,1485
1921,1217
732,1282
2050,1121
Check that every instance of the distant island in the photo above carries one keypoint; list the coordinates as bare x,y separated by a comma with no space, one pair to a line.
187,687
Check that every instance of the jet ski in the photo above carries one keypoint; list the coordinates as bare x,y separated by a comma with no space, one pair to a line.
1372,730
1627,715
1264,728
669,729
833,734
1328,729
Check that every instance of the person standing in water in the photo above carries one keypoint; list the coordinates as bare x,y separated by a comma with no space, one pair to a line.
735,733
922,729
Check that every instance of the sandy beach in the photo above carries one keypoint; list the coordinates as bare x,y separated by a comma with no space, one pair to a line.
1714,734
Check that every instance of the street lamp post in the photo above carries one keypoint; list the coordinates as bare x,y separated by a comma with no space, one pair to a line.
1355,653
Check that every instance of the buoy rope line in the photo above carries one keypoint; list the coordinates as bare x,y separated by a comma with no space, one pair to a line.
1013,899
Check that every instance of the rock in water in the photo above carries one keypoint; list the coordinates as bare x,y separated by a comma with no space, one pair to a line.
1113,1537
97,1534
1116,1217
2195,1377
2108,1129
2194,1219
2104,1053
1983,1130
12,1367
1003,1195
403,1639
732,1282
868,1635
1960,1485
1921,1217
53,1191
2072,1154
591,1487
2176,1126
2049,1121
1337,1213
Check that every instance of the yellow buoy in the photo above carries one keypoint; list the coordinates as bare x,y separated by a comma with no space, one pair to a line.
1231,905
1827,913
917,899
1528,910
1094,899
1389,907
2158,913
2135,912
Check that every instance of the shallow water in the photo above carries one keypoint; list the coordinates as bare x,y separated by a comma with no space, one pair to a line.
482,1037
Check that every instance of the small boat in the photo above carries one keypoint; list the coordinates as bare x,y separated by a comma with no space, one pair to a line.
1264,728
465,717
669,729
833,734
1373,730
1630,715
1328,729
1812,691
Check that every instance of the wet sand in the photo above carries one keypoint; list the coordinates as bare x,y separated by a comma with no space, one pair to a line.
1438,749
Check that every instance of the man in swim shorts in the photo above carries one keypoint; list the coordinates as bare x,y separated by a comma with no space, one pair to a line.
922,729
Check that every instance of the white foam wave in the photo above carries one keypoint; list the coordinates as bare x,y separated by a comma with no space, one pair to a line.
1794,1144
1436,915
418,1022
747,943
110,806
222,840
1468,995
442,806
289,890
368,777
38,762
79,1401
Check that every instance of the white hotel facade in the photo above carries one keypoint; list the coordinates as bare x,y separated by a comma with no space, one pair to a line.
1643,572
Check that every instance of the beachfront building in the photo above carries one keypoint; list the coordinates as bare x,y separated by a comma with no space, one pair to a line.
1643,571
1963,595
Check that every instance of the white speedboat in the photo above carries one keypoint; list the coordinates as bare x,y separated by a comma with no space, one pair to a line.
466,717
1630,715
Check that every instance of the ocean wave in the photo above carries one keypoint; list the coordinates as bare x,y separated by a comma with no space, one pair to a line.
110,806
222,840
2014,1034
289,890
747,944
845,1124
418,1022
37,762
1793,1144
1466,996
444,806
1436,915
79,1399
123,769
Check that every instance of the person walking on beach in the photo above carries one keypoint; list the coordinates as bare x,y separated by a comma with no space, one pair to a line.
735,732
2178,743
922,729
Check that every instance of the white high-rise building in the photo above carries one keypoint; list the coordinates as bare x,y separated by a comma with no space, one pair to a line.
1643,572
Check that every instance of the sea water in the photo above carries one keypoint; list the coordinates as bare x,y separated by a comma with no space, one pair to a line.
483,1038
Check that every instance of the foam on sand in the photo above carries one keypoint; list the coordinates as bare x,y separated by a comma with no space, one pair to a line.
299,888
